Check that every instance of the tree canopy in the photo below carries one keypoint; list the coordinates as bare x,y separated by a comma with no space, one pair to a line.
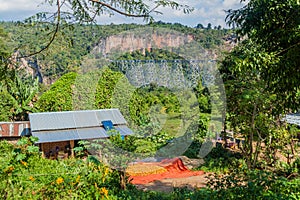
88,10
4,54
261,76
272,29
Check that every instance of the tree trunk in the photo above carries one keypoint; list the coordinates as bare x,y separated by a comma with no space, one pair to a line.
224,136
122,180
257,149
251,135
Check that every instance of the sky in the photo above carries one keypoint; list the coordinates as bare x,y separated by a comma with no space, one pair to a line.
205,11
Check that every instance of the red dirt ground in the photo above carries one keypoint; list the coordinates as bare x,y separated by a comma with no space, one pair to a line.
175,169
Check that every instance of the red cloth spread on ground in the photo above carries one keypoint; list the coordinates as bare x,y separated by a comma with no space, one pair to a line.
175,169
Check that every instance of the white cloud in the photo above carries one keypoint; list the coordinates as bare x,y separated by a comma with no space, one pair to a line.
206,11
229,3
19,5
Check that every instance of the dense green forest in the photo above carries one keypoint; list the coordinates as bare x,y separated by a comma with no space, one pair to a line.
261,80
24,95
72,45
73,42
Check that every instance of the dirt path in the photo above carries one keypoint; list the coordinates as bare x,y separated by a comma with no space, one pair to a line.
167,185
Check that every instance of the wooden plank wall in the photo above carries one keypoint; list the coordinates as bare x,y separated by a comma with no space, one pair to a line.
14,129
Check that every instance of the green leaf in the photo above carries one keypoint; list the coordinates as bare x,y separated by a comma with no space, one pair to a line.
20,157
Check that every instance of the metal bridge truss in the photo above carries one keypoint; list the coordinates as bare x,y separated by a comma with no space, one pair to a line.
168,73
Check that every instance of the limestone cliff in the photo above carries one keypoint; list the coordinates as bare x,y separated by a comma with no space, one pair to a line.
141,40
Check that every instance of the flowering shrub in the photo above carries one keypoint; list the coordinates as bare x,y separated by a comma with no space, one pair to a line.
24,174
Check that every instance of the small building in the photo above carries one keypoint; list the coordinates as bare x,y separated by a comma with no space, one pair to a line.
294,119
12,131
60,131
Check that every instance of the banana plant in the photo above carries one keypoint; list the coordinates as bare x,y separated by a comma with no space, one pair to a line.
22,93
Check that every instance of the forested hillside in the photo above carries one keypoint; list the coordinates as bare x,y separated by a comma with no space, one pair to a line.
74,42
253,153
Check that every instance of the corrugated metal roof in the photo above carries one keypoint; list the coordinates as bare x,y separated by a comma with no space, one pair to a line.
85,119
70,134
55,136
111,114
75,125
51,121
74,119
91,133
124,130
293,119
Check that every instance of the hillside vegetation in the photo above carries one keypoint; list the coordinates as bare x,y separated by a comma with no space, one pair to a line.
75,42
257,152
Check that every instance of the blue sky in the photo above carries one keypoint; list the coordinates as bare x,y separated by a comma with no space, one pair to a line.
206,11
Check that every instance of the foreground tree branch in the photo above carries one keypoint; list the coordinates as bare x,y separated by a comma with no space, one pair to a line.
86,11
53,36
119,11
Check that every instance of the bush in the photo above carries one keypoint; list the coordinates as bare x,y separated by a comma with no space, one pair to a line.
25,175
221,160
253,184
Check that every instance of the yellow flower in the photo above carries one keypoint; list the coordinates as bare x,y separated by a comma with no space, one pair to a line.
104,191
59,180
77,179
24,163
9,169
105,174
31,178
106,171
163,110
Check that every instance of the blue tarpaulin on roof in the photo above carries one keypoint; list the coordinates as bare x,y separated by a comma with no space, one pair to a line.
108,125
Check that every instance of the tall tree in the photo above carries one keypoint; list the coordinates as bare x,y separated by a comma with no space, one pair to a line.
262,74
273,27
4,55
253,110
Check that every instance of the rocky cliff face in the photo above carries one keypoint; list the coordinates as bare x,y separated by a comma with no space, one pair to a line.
131,41
26,67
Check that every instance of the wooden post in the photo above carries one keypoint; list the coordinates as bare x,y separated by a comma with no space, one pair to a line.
72,146
42,148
